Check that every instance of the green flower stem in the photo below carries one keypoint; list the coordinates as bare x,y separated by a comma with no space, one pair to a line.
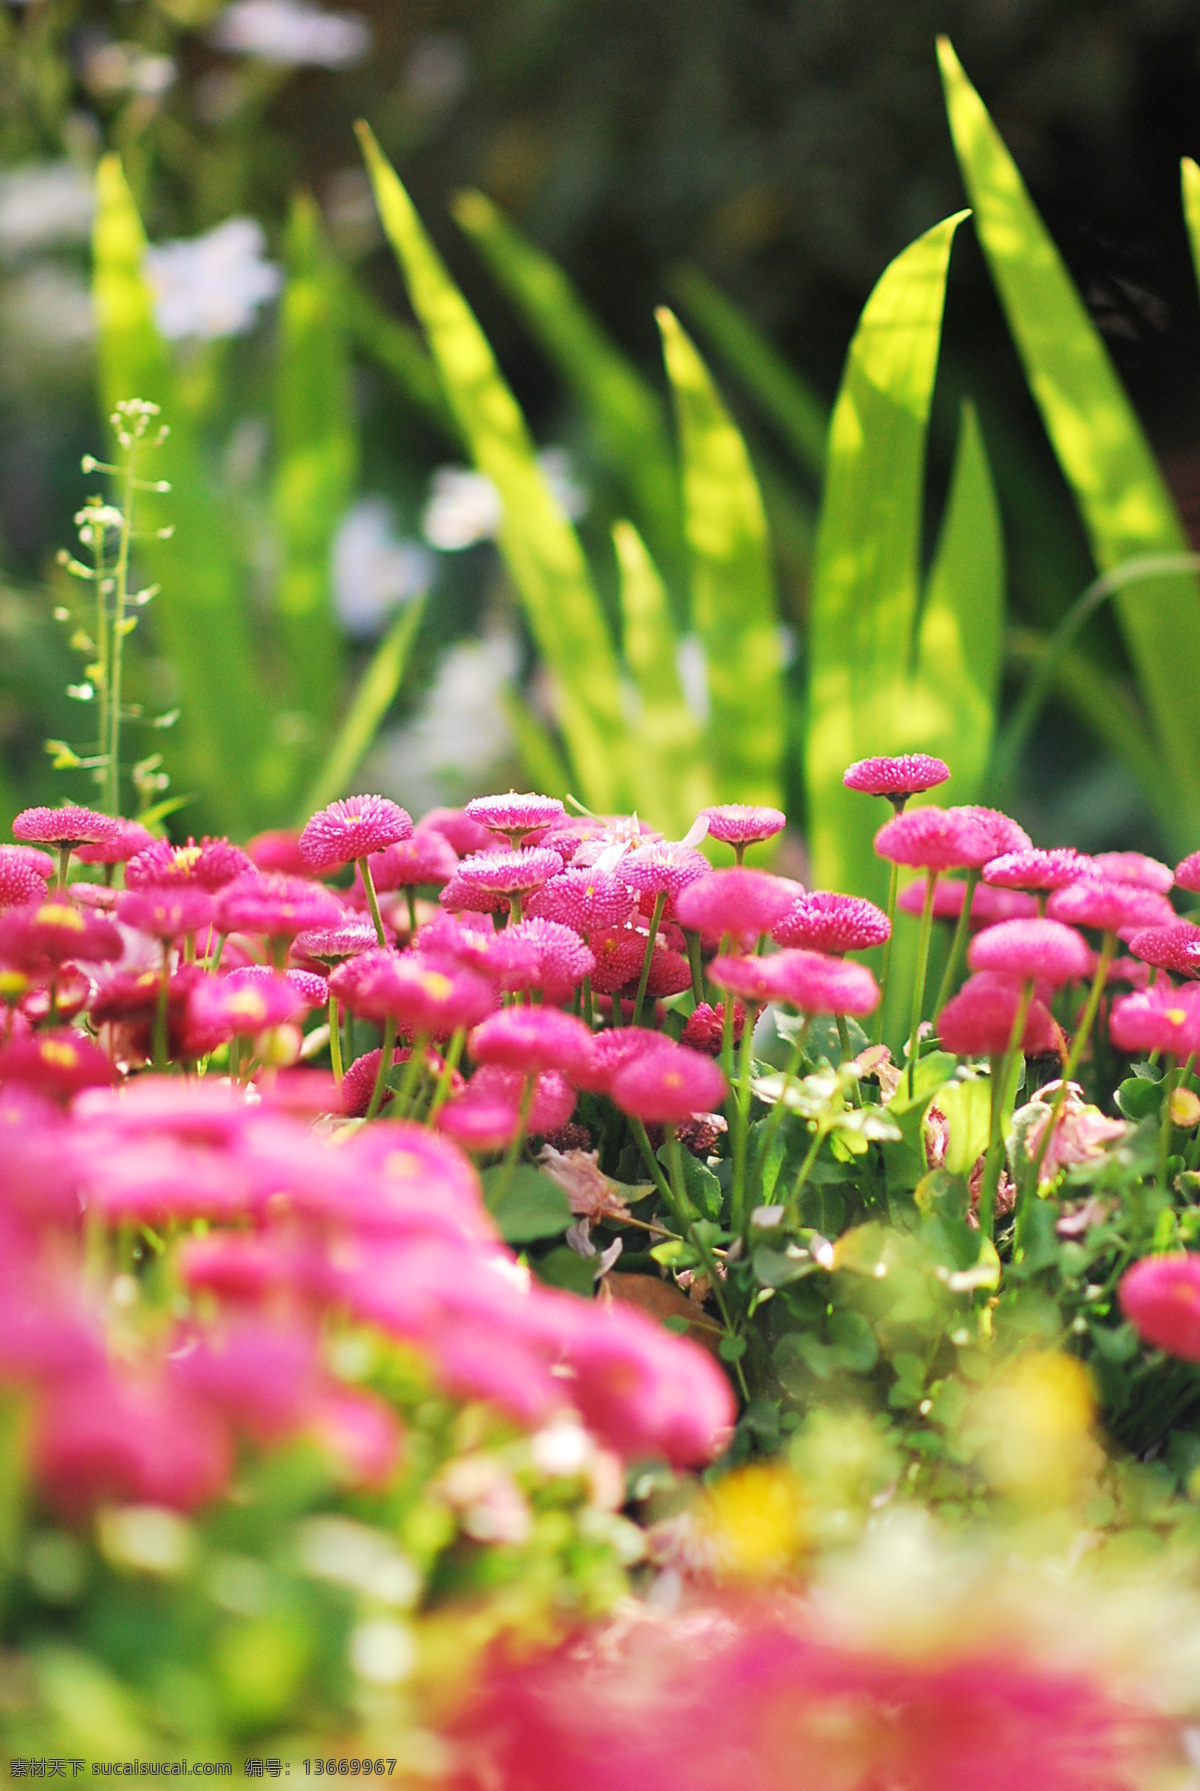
411,903
516,908
159,1036
741,1123
385,1064
586,993
413,1071
335,1040
696,964
995,1150
660,902
789,1071
802,1175
364,871
918,1003
680,1205
1107,952
513,1152
886,966
958,943
450,1063
1164,1130
64,859
112,757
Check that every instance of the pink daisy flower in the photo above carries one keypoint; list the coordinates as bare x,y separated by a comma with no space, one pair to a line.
824,921
128,838
351,829
1175,948
978,1021
332,945
56,932
1158,1019
461,897
584,899
508,873
534,1038
513,814
705,1029
243,1003
668,1084
20,883
31,857
743,824
910,774
662,867
1160,1296
610,1051
734,901
210,865
557,960
669,974
1031,950
431,995
809,980
619,952
276,906
427,857
1187,873
455,824
487,1114
1035,869
988,905
168,912
935,839
69,826
1109,907
1136,868
278,850
57,1064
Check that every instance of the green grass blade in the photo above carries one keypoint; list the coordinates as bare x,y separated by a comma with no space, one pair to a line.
626,417
866,578
372,699
200,617
797,411
540,546
1189,175
960,641
671,777
540,756
316,465
733,597
399,350
1124,502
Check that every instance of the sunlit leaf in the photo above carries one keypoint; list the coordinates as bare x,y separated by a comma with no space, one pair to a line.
398,348
1123,500
540,546
733,599
372,699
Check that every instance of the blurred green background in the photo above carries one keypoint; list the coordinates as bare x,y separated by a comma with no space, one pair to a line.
785,151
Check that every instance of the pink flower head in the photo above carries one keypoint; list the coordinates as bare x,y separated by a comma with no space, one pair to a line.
1175,948
663,868
557,959
824,921
421,993
618,952
1035,869
167,912
276,906
611,1051
515,815
278,850
68,826
1158,1019
737,901
898,779
1160,1296
57,1064
31,857
1136,868
988,905
99,1441
1031,950
427,857
56,932
743,824
508,873
127,839
487,1114
210,865
705,1029
332,945
583,899
668,1084
359,1431
935,839
809,980
534,1038
261,1377
1187,872
978,1021
1006,834
461,897
669,973
350,829
1109,907
245,1003
456,825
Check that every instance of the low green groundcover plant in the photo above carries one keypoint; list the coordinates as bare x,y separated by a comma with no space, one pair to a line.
293,1437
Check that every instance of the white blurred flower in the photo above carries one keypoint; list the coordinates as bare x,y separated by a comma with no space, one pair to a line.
110,69
383,1651
461,730
44,204
437,70
373,569
290,33
212,285
692,667
464,507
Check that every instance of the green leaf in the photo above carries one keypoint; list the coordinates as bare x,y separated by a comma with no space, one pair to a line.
854,1340
529,1205
967,1107
866,581
200,619
316,442
625,415
703,1188
566,1268
1122,498
797,411
539,545
372,699
399,350
1138,1097
1189,175
733,599
669,770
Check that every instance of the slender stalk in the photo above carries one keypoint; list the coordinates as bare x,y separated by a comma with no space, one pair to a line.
586,1004
886,967
1107,952
335,1041
413,1071
918,1002
364,871
995,1150
741,1124
695,964
1164,1130
515,1143
660,902
411,902
789,1070
802,1175
64,859
159,1036
679,1189
387,1052
958,943
449,1064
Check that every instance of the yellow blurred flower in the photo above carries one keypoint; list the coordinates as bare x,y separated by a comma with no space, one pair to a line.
755,1521
1035,1423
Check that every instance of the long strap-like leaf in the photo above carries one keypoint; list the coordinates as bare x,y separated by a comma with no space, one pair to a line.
371,701
538,542
866,581
1123,500
733,597
200,617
